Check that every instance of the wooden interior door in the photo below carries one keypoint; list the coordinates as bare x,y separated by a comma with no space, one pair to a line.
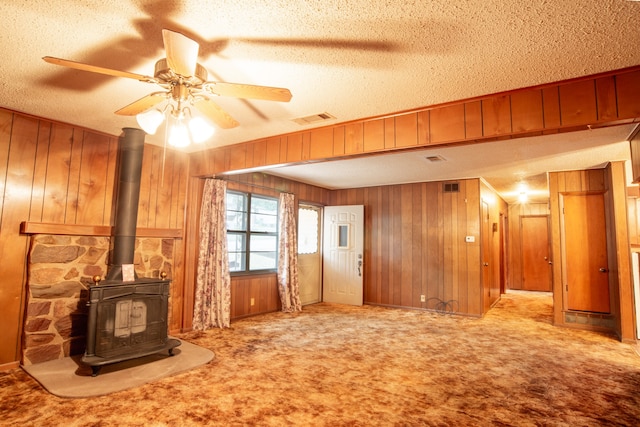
585,253
536,267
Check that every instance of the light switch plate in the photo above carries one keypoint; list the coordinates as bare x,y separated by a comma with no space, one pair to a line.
470,239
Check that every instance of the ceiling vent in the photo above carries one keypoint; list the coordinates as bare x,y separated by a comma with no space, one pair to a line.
436,159
451,187
315,118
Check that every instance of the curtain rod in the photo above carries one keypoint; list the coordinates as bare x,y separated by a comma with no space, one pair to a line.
253,185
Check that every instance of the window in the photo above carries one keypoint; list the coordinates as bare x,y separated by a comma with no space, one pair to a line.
252,232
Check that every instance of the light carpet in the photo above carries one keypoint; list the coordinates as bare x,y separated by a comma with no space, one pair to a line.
69,377
332,365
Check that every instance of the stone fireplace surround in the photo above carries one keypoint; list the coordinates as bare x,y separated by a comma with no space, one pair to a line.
60,270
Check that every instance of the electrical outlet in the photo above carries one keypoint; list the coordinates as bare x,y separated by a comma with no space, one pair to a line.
253,301
422,298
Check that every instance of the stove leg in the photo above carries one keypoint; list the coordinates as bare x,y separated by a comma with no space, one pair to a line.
95,370
171,352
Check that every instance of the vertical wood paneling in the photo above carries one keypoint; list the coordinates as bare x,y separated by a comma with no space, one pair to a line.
40,172
423,128
93,179
321,143
416,245
578,103
473,119
606,98
406,130
447,123
527,112
294,148
496,116
389,133
338,141
353,138
73,185
56,187
551,107
628,94
373,135
20,145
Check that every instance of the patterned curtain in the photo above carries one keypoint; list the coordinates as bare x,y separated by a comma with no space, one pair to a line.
213,284
288,287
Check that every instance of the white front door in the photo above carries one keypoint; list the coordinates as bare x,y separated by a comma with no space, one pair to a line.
343,254
309,254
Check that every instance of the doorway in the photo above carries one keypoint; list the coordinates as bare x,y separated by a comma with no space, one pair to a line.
343,245
309,253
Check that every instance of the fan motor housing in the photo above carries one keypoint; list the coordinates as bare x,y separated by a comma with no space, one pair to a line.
166,74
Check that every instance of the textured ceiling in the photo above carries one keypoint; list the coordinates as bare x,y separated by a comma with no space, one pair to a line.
351,59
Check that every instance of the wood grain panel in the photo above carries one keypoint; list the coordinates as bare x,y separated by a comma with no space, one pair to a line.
353,138
578,103
473,119
606,98
273,151
338,141
294,147
21,148
551,108
628,94
321,143
423,128
406,130
389,133
447,124
527,112
373,135
93,178
40,172
496,116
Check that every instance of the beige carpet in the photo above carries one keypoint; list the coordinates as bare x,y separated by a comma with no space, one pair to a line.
367,366
69,377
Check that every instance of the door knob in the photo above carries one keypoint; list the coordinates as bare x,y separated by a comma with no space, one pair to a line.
486,264
603,270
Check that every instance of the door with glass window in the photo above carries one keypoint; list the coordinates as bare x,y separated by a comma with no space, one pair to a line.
343,254
309,254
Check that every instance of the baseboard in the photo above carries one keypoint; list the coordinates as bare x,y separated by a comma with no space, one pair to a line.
10,365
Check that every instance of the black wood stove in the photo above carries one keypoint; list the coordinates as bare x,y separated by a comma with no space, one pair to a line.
127,314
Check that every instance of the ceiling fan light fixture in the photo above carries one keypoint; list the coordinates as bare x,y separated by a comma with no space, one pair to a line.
150,120
178,134
200,130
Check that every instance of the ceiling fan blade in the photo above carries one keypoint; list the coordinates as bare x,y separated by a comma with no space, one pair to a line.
216,114
182,53
142,104
96,69
239,90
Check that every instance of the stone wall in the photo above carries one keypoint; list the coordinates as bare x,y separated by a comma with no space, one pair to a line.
60,271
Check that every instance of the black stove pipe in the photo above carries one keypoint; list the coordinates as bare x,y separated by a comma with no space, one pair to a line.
130,151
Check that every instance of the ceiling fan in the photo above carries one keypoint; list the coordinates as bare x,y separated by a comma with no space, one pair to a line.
185,84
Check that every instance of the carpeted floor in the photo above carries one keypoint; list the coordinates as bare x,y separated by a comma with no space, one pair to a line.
337,365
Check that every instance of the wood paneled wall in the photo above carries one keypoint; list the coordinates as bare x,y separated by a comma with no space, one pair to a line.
611,181
415,245
64,176
578,104
261,288
515,268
